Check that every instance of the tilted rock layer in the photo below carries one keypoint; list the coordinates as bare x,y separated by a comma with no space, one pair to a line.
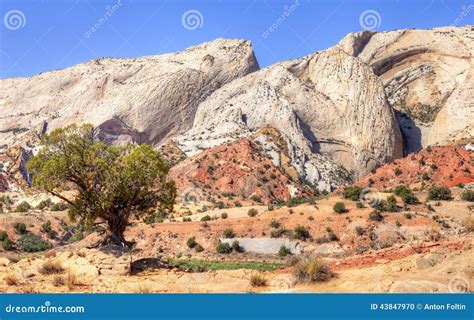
142,99
428,76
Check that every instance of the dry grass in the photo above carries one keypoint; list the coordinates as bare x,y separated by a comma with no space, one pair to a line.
144,288
51,267
11,280
313,269
468,223
258,280
71,280
58,281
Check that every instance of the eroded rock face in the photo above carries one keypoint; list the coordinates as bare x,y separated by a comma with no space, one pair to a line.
428,78
13,172
141,100
329,107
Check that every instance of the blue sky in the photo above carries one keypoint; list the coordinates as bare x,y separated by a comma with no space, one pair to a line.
42,35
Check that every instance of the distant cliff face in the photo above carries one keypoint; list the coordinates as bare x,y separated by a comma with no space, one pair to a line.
329,107
338,113
143,100
428,76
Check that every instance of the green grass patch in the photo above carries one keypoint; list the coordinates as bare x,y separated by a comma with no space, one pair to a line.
201,265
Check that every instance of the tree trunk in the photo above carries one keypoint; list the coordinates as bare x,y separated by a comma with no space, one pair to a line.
115,234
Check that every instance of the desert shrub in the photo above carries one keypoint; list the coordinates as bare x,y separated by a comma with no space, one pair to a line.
252,212
439,193
279,232
46,228
312,270
229,233
6,200
301,233
78,235
468,195
224,215
220,205
191,242
19,227
359,230
397,171
284,251
223,248
236,246
339,207
186,219
406,194
238,204
258,280
8,245
256,198
375,216
198,248
51,267
361,249
3,235
352,192
391,204
275,224
59,206
332,236
295,201
32,243
23,207
206,218
408,215
44,204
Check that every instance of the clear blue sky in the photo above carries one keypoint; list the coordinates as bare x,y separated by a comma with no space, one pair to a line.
43,35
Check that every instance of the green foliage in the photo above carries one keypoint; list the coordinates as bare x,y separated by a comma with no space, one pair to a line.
33,243
296,201
3,235
275,224
19,227
468,195
406,194
397,171
8,245
112,183
339,207
252,212
6,200
44,204
201,266
439,193
23,207
352,192
198,248
229,233
223,248
224,215
46,228
59,206
236,246
284,251
206,218
191,242
256,198
301,233
391,204
359,230
375,216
